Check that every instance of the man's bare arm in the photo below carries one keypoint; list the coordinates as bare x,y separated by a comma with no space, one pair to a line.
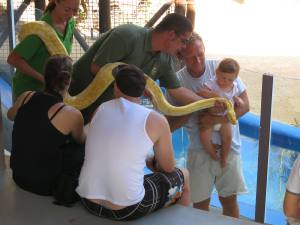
158,130
244,107
177,122
183,96
94,68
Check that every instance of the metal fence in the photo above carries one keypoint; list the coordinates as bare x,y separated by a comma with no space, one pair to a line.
4,49
138,12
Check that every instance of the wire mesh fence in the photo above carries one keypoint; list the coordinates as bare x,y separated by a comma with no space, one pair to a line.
137,12
4,49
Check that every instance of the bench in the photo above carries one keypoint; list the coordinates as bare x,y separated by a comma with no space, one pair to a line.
19,207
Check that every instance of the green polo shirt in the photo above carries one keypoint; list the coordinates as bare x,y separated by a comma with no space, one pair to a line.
129,44
34,52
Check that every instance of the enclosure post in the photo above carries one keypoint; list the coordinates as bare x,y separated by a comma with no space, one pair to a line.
11,29
180,7
190,13
16,18
158,14
104,15
2,156
80,40
39,6
11,24
264,146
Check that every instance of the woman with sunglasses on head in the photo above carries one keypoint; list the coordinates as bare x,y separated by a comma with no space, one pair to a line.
47,138
30,55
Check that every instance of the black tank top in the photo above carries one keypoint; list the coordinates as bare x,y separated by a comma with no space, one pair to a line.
36,157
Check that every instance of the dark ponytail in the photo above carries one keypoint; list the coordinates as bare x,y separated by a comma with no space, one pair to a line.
58,72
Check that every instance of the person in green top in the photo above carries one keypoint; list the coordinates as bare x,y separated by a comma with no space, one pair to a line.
152,50
30,55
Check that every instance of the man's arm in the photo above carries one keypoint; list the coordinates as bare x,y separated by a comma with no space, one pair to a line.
77,126
158,130
177,122
183,96
244,107
94,68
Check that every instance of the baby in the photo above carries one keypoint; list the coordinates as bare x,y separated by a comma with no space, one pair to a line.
222,85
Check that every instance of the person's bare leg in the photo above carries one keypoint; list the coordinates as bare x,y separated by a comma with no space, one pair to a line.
203,205
226,137
230,206
185,199
291,205
205,135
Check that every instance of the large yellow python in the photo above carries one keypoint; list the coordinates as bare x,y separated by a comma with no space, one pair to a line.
104,78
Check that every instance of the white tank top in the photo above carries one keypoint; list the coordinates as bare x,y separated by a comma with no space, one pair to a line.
116,148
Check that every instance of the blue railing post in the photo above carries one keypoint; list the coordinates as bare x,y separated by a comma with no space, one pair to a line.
81,40
11,24
11,29
264,146
104,16
2,157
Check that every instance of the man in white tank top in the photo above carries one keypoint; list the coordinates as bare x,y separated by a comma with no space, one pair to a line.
121,133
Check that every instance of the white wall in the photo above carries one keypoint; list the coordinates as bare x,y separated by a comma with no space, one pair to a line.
257,27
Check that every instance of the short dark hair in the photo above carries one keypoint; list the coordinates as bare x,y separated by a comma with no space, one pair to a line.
173,21
130,80
58,72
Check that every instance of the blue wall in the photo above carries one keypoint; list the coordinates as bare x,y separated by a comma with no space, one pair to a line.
282,135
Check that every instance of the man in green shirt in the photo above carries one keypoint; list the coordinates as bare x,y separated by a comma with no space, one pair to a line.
152,50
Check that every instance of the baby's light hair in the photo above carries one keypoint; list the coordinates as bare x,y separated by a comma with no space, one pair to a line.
229,65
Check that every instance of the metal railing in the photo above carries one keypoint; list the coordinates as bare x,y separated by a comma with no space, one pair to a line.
264,147
2,155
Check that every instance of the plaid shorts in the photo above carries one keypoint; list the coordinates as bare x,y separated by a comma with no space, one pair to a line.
161,190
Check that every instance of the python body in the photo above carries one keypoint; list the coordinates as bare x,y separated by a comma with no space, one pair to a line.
104,78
